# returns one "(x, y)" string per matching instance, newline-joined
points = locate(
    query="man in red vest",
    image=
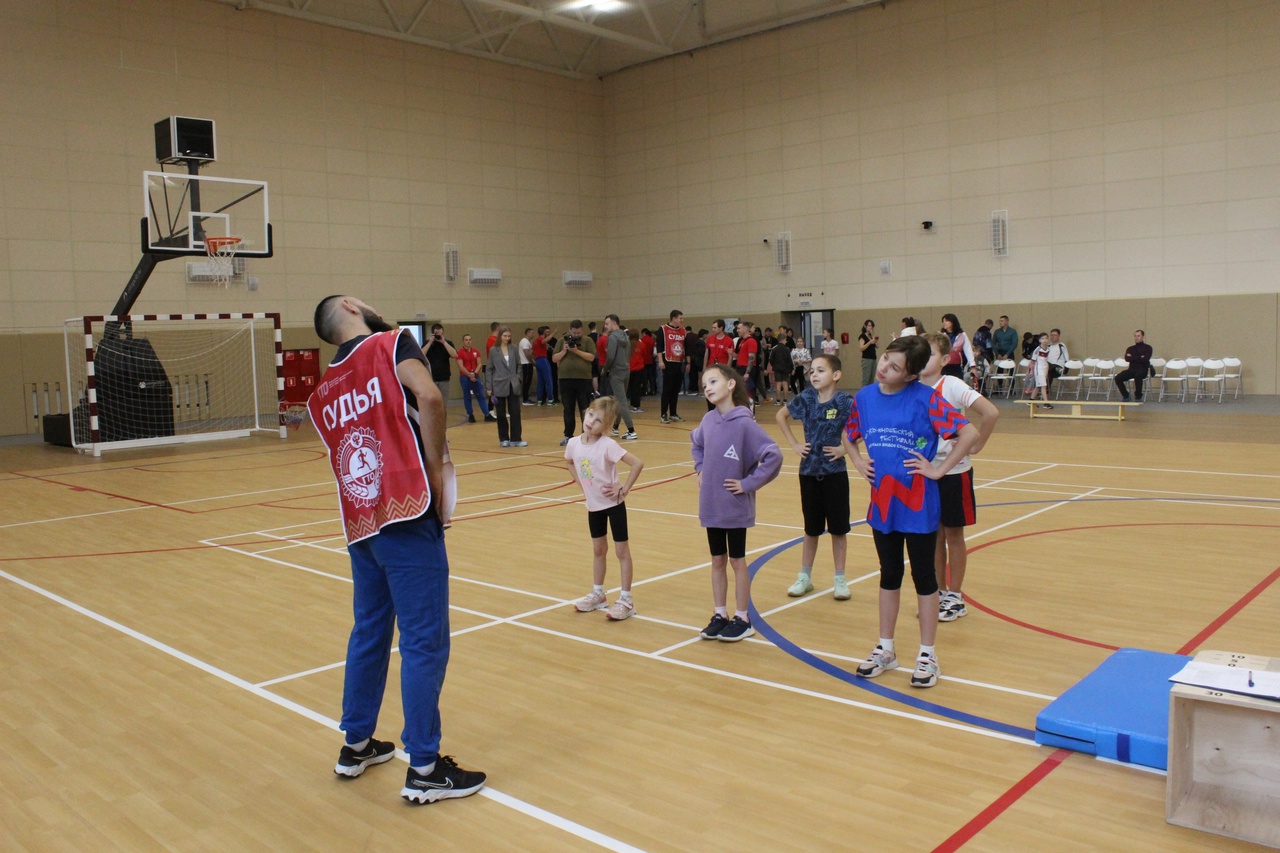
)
(391, 488)
(672, 361)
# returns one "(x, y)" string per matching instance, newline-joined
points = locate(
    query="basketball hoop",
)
(292, 415)
(222, 255)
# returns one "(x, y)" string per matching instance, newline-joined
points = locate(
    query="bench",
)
(1077, 409)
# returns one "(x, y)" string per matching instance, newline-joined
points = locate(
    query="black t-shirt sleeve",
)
(407, 348)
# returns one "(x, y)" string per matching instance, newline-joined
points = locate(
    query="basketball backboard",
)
(181, 210)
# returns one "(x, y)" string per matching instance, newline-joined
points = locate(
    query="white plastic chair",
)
(1157, 371)
(1233, 375)
(1175, 376)
(1101, 382)
(1213, 376)
(1195, 366)
(1072, 375)
(1002, 379)
(1028, 380)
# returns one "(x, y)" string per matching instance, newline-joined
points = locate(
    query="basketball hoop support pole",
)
(147, 263)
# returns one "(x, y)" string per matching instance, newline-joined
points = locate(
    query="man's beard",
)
(376, 323)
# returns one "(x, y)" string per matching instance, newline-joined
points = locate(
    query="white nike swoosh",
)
(422, 783)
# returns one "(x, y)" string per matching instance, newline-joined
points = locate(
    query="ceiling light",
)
(596, 5)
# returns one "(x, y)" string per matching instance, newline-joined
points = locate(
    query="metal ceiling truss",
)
(568, 37)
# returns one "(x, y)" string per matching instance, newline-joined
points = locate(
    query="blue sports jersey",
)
(823, 424)
(891, 426)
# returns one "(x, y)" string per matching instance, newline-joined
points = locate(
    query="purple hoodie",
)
(732, 447)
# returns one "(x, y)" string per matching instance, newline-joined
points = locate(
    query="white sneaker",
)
(591, 601)
(631, 436)
(879, 661)
(841, 592)
(620, 610)
(952, 607)
(802, 585)
(927, 671)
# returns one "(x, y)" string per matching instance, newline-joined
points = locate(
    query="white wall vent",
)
(999, 233)
(201, 272)
(450, 261)
(782, 251)
(483, 277)
(576, 278)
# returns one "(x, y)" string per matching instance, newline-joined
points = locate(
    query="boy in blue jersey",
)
(900, 421)
(824, 478)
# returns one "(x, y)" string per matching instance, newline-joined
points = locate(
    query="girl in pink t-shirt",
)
(593, 463)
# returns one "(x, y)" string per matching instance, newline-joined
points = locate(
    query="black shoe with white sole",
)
(446, 781)
(351, 763)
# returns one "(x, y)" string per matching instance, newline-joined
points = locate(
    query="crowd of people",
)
(907, 432)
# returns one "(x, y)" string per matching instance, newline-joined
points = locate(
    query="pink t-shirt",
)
(595, 465)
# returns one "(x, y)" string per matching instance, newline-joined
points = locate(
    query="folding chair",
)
(1175, 375)
(1233, 375)
(1213, 376)
(1002, 379)
(1101, 381)
(1195, 366)
(1072, 376)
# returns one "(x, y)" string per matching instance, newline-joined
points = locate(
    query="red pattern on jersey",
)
(673, 343)
(912, 497)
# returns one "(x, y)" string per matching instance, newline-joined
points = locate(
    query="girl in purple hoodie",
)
(734, 457)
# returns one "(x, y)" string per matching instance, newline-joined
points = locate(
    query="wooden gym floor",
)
(173, 624)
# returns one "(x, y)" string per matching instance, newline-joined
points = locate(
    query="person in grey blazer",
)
(503, 371)
(617, 366)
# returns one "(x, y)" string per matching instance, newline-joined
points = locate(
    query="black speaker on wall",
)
(179, 138)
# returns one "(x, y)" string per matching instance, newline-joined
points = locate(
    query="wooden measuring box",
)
(1224, 757)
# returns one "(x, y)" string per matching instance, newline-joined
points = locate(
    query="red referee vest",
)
(673, 343)
(363, 417)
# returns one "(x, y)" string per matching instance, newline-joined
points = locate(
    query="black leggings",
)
(920, 547)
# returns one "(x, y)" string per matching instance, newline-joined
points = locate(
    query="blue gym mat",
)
(1120, 710)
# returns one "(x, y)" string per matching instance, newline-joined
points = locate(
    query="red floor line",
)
(1061, 636)
(107, 494)
(980, 821)
(1212, 627)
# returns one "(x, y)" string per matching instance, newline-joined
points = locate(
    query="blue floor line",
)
(771, 634)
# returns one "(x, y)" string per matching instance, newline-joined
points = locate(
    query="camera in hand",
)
(571, 341)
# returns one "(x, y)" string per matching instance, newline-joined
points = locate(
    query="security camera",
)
(926, 225)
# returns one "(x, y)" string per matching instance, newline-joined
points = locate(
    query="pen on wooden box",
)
(1250, 678)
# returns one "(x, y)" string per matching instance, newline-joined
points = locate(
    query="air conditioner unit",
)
(782, 251)
(576, 278)
(1000, 233)
(483, 277)
(450, 261)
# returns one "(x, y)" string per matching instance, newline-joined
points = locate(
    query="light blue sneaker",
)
(802, 586)
(842, 589)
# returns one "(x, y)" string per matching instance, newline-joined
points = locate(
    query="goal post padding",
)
(148, 379)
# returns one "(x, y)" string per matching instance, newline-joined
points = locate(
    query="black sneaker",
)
(351, 763)
(717, 624)
(1047, 406)
(738, 629)
(447, 781)
(471, 419)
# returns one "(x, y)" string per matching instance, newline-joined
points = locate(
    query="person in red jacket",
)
(647, 344)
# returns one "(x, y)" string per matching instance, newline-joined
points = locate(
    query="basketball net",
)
(222, 255)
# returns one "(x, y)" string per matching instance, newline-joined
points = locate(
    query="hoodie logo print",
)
(731, 453)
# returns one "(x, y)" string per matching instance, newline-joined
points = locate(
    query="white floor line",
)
(945, 723)
(77, 517)
(540, 814)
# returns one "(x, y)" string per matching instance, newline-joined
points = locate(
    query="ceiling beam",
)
(656, 48)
